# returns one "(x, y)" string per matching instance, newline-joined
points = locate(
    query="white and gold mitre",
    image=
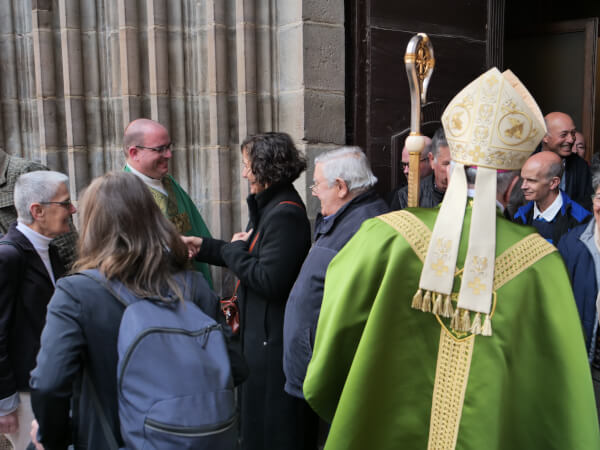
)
(493, 122)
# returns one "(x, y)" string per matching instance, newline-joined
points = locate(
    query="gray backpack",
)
(174, 378)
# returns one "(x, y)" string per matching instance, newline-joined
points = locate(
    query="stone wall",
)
(75, 72)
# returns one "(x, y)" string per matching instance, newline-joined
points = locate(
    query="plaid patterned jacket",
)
(11, 167)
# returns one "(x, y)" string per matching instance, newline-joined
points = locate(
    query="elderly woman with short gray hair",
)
(580, 248)
(29, 268)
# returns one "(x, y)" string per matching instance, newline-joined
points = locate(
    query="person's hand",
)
(241, 236)
(193, 244)
(33, 434)
(9, 423)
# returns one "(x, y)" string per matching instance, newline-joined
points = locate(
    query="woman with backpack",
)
(131, 267)
(266, 259)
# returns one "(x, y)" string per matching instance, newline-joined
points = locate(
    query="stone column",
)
(45, 83)
(129, 74)
(72, 79)
(312, 79)
(8, 82)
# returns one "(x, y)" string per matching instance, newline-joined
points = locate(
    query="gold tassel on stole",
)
(437, 305)
(426, 306)
(417, 300)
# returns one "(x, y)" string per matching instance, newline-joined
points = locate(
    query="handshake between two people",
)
(194, 243)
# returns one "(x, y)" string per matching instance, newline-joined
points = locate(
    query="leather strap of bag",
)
(111, 441)
(252, 244)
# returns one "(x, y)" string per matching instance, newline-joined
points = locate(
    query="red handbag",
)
(229, 306)
(231, 311)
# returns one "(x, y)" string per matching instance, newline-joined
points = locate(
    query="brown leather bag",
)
(229, 306)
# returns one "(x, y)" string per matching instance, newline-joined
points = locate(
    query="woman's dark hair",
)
(274, 159)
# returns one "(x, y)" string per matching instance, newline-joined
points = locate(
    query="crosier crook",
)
(419, 63)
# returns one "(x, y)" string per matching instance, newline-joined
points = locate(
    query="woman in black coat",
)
(266, 259)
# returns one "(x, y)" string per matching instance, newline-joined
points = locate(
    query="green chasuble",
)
(391, 377)
(181, 212)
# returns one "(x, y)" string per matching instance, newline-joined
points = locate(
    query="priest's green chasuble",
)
(181, 212)
(388, 376)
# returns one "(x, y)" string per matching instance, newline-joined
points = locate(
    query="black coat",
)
(25, 290)
(578, 181)
(269, 416)
(81, 334)
(429, 195)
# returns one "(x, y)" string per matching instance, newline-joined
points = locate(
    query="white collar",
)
(152, 182)
(40, 244)
(550, 212)
(39, 241)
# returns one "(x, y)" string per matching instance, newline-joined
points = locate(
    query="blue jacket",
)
(571, 214)
(583, 264)
(304, 303)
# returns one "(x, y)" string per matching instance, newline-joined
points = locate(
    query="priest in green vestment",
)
(452, 327)
(148, 151)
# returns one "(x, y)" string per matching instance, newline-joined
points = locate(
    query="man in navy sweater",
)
(550, 210)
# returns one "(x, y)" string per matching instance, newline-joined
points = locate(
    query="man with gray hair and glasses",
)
(343, 182)
(29, 268)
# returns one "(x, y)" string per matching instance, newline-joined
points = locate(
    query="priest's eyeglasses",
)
(65, 204)
(161, 150)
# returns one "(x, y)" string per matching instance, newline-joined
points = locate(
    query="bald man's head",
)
(560, 135)
(147, 147)
(541, 178)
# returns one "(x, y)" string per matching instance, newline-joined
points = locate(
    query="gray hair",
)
(349, 164)
(438, 140)
(503, 179)
(36, 187)
(596, 179)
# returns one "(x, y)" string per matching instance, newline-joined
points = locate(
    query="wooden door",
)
(378, 106)
(558, 63)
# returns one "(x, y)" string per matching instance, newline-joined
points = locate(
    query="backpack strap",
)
(108, 434)
(94, 274)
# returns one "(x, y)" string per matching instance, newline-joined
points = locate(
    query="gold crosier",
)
(419, 63)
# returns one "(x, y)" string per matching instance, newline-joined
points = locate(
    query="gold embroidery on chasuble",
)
(455, 349)
(168, 206)
(451, 377)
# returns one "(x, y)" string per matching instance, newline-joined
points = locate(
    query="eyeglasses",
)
(162, 149)
(596, 198)
(313, 188)
(67, 204)
(405, 164)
